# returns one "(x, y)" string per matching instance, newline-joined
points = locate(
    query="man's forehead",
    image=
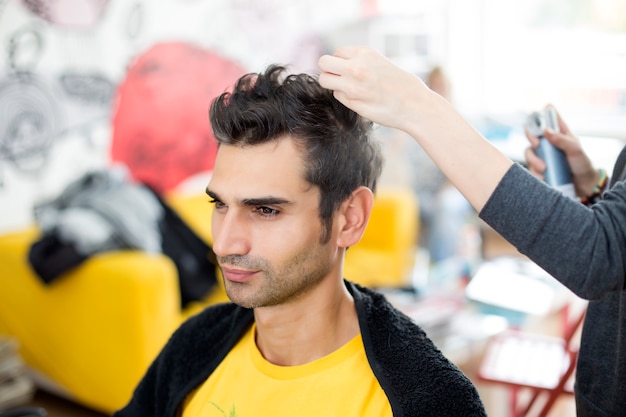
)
(267, 157)
(269, 169)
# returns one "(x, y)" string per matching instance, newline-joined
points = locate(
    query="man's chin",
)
(241, 300)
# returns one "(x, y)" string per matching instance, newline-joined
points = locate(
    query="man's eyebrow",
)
(265, 201)
(211, 194)
(257, 201)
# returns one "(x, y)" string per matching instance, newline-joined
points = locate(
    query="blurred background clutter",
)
(95, 86)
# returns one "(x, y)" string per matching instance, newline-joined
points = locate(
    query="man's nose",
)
(230, 233)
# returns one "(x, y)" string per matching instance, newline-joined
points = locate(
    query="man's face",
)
(266, 226)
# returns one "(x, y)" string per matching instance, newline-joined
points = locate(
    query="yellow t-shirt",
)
(247, 385)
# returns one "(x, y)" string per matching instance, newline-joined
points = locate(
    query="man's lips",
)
(237, 275)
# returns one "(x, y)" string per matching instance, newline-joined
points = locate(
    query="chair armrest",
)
(95, 329)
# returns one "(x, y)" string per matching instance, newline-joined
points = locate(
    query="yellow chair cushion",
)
(95, 329)
(386, 253)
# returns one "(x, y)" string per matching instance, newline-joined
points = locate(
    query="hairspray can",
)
(557, 173)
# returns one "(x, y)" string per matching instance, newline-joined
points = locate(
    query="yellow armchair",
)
(91, 334)
(385, 255)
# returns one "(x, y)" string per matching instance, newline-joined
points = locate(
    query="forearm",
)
(575, 244)
(469, 161)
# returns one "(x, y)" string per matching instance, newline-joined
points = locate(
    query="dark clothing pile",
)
(106, 211)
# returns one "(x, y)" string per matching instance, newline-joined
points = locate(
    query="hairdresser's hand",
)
(371, 85)
(584, 175)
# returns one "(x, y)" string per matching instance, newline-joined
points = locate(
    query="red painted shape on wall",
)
(161, 128)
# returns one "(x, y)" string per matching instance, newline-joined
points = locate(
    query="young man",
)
(293, 188)
(581, 245)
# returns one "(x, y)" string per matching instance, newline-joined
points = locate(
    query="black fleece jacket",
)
(417, 379)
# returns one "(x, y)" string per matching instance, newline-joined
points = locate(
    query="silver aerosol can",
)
(557, 174)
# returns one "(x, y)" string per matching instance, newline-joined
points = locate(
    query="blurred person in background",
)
(449, 214)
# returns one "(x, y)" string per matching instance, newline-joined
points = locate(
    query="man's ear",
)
(353, 216)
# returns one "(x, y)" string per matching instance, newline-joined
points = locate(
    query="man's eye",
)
(267, 211)
(216, 203)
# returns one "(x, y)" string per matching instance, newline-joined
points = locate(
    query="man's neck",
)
(311, 327)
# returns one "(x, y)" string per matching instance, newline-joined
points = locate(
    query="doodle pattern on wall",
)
(72, 99)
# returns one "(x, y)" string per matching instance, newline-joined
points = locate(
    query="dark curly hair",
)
(334, 141)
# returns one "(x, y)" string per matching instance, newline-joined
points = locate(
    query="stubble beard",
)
(271, 287)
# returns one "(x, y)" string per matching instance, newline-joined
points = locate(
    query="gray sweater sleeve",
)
(584, 248)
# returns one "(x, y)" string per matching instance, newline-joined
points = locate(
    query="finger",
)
(534, 140)
(533, 159)
(332, 64)
(347, 52)
(563, 128)
(330, 81)
(343, 98)
(535, 164)
(337, 62)
(562, 125)
(560, 140)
